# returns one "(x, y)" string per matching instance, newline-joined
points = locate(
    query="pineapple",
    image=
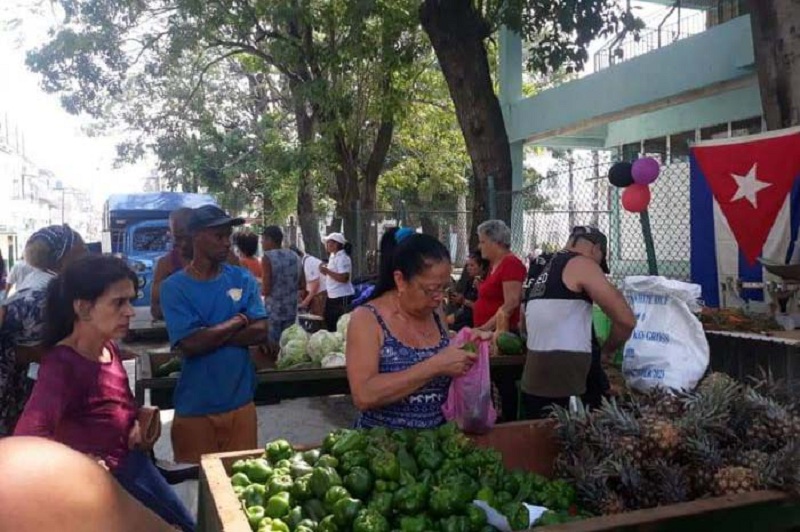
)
(753, 459)
(715, 381)
(669, 482)
(660, 437)
(732, 480)
(705, 459)
(617, 432)
(596, 495)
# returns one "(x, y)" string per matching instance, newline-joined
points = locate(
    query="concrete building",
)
(692, 77)
(32, 197)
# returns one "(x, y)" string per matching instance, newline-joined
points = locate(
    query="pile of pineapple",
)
(661, 448)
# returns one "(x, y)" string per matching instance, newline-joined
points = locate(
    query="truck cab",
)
(136, 229)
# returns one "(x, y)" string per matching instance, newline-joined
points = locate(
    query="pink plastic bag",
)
(469, 401)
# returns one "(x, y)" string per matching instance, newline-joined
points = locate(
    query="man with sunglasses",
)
(563, 356)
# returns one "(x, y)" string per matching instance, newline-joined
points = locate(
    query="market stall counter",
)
(529, 446)
(156, 375)
(743, 355)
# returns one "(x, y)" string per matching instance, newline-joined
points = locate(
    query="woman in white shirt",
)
(338, 283)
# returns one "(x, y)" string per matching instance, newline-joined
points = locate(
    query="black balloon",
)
(620, 174)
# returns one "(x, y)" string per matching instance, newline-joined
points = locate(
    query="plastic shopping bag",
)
(469, 401)
(668, 347)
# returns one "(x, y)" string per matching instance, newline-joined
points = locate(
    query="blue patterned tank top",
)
(423, 408)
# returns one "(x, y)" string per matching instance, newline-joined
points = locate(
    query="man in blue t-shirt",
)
(213, 312)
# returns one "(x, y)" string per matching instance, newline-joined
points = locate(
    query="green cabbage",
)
(322, 343)
(333, 360)
(293, 332)
(341, 325)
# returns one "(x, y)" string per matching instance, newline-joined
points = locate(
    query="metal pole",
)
(571, 191)
(650, 248)
(62, 205)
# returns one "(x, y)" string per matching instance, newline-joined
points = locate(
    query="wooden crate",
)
(531, 445)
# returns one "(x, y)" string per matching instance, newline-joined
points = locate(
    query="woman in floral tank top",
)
(399, 361)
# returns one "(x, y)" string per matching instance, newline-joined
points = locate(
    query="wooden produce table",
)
(275, 385)
(531, 445)
(742, 355)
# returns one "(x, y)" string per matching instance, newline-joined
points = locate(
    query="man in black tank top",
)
(564, 358)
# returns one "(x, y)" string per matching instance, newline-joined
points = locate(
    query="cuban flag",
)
(744, 195)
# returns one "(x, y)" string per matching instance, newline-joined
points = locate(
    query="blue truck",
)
(136, 228)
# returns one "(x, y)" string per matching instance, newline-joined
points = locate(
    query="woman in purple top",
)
(82, 398)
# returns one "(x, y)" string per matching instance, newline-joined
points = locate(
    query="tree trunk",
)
(457, 33)
(306, 215)
(776, 43)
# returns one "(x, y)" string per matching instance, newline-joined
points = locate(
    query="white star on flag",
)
(749, 186)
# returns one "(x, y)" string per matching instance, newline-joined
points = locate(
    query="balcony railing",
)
(649, 39)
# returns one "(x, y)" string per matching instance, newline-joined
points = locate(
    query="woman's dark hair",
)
(411, 256)
(247, 242)
(483, 264)
(274, 234)
(86, 279)
(347, 247)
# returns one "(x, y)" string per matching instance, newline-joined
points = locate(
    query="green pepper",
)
(476, 518)
(300, 469)
(327, 460)
(378, 432)
(455, 523)
(308, 523)
(369, 521)
(254, 515)
(272, 525)
(407, 462)
(511, 485)
(303, 528)
(328, 525)
(386, 486)
(557, 495)
(518, 517)
(278, 505)
(333, 495)
(466, 489)
(382, 503)
(486, 494)
(293, 518)
(301, 489)
(430, 459)
(284, 464)
(359, 481)
(311, 456)
(443, 501)
(323, 479)
(279, 483)
(502, 498)
(354, 459)
(331, 439)
(277, 450)
(411, 499)
(240, 479)
(385, 467)
(314, 509)
(351, 440)
(447, 430)
(257, 470)
(238, 466)
(254, 495)
(416, 523)
(345, 511)
(404, 437)
(239, 490)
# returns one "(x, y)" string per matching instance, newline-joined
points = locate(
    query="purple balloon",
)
(645, 170)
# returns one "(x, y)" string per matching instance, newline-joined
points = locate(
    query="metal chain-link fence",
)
(576, 192)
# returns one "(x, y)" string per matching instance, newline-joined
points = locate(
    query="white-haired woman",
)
(502, 287)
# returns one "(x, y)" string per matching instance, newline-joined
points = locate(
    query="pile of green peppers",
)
(379, 480)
